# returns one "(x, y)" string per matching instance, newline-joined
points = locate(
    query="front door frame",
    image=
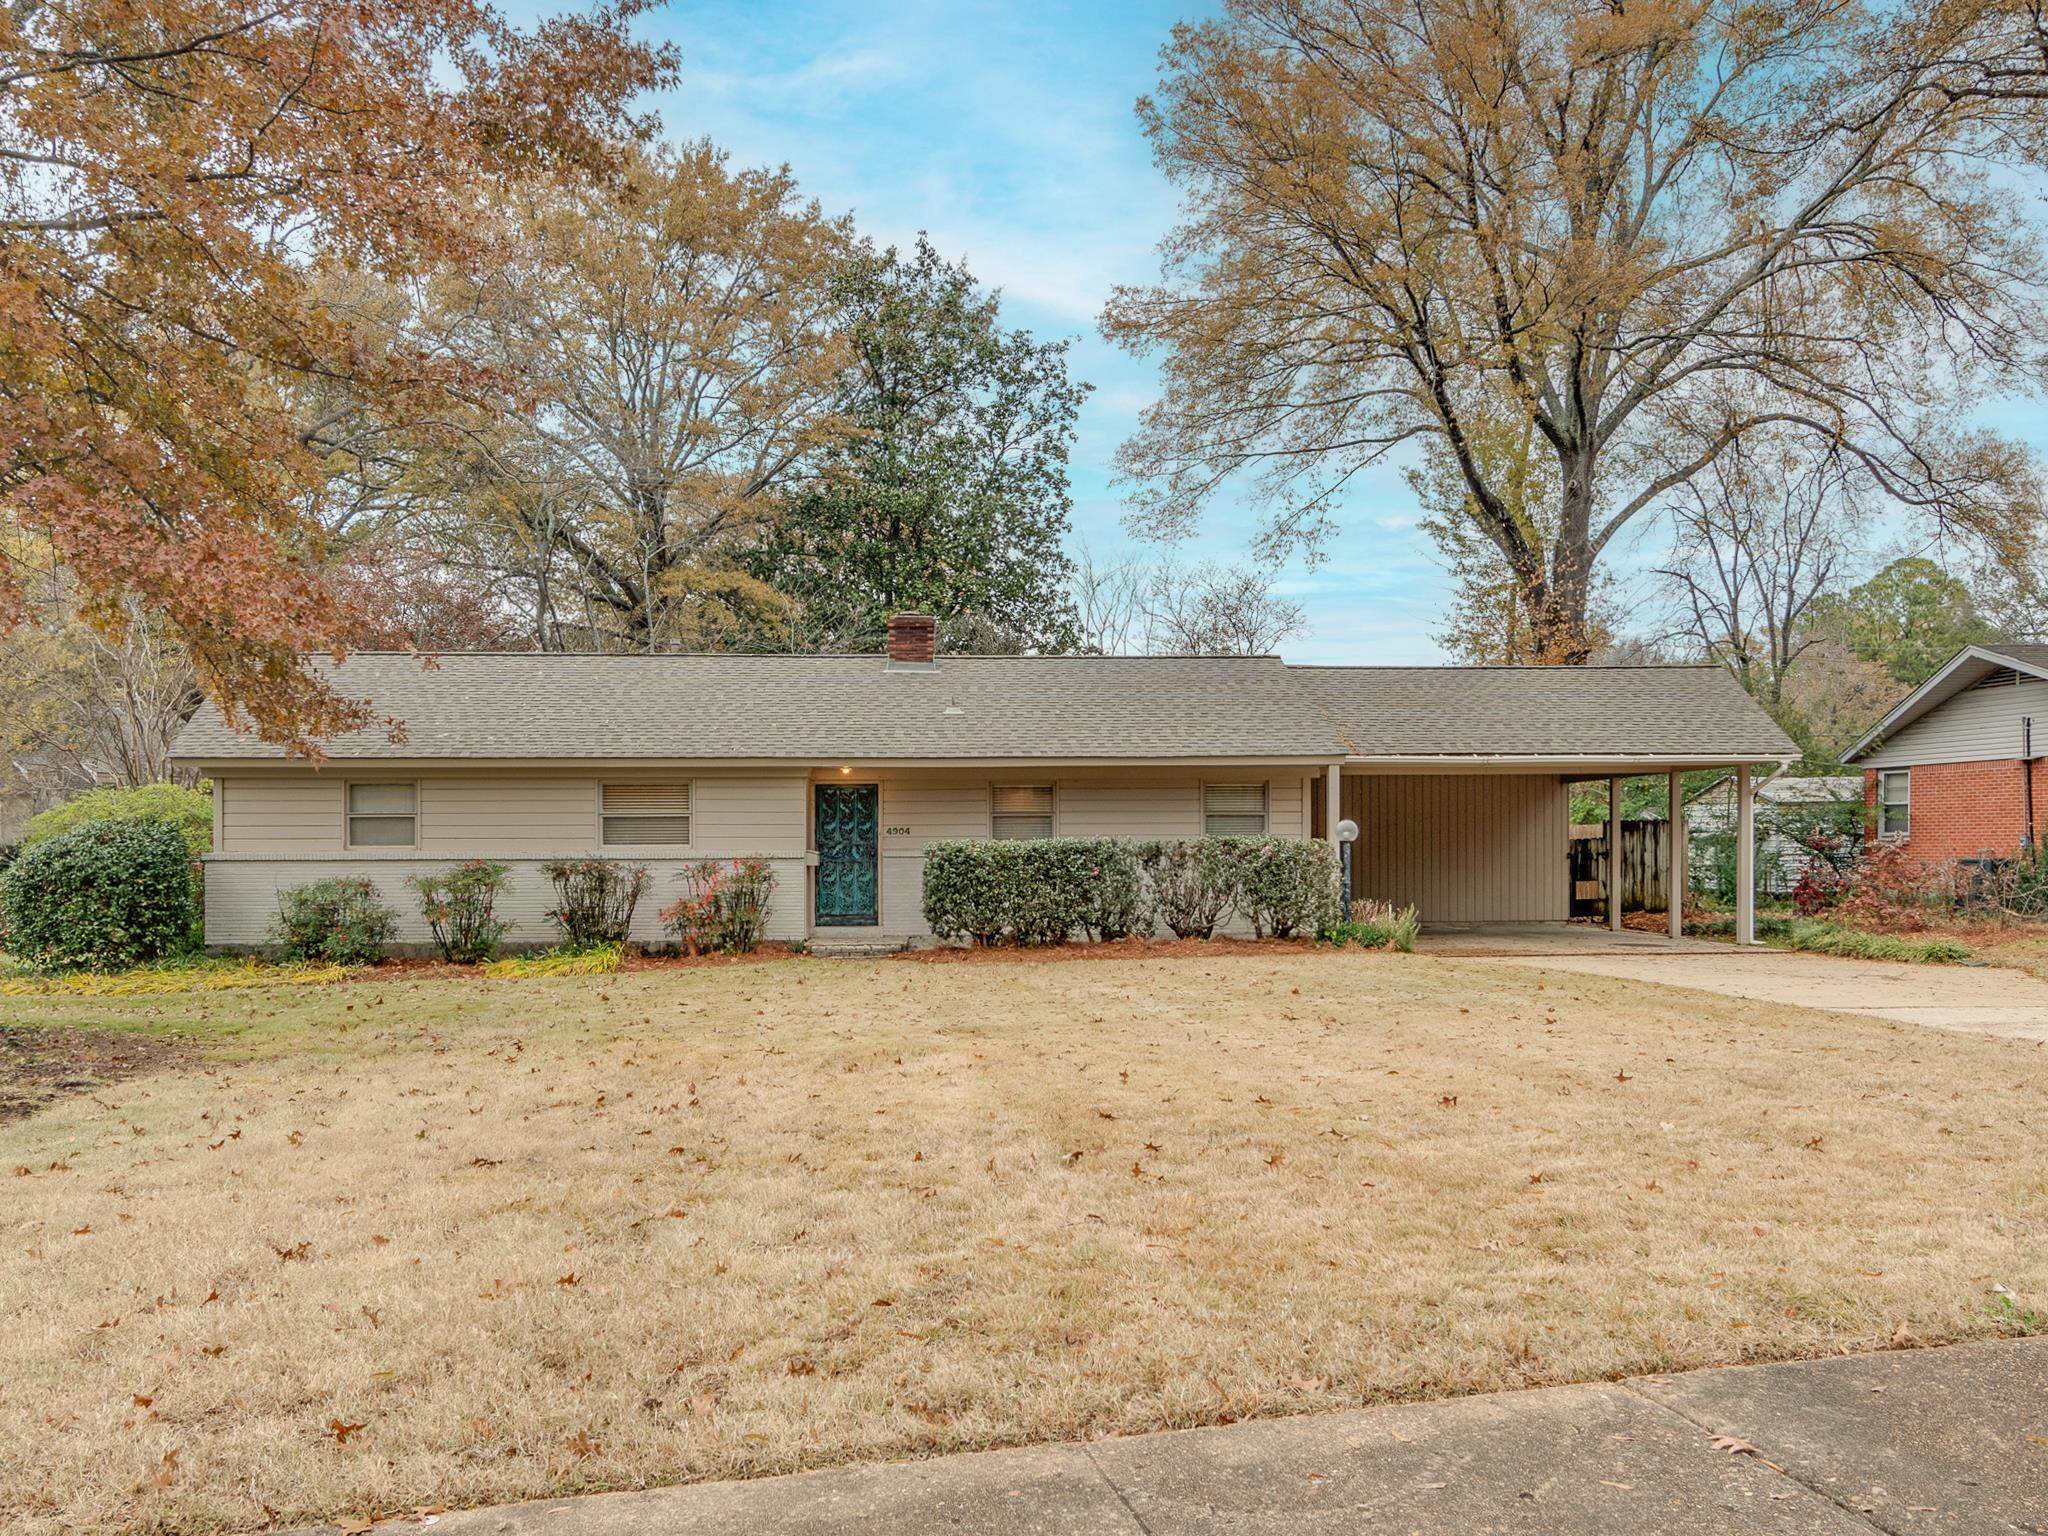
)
(819, 919)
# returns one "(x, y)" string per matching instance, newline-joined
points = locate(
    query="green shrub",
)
(595, 900)
(724, 906)
(1282, 886)
(1028, 891)
(966, 891)
(1191, 883)
(190, 811)
(459, 905)
(1375, 925)
(1034, 891)
(1121, 902)
(106, 895)
(341, 920)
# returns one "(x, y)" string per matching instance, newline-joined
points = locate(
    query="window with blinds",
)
(635, 815)
(1234, 810)
(383, 816)
(1895, 803)
(1021, 810)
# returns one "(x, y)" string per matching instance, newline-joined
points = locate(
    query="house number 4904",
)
(896, 831)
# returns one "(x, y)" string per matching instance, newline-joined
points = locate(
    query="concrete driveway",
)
(1977, 999)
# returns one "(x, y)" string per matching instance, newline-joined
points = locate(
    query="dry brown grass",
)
(610, 1231)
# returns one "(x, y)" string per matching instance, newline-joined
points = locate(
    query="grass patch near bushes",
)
(1814, 936)
(732, 1220)
(170, 977)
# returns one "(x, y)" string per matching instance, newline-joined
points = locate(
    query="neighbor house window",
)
(383, 815)
(1234, 810)
(635, 814)
(1895, 803)
(1021, 810)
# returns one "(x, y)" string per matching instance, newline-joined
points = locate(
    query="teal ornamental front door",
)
(847, 824)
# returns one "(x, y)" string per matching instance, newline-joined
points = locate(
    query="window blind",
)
(636, 815)
(1021, 810)
(1234, 810)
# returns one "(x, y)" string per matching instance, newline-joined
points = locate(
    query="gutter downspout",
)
(2027, 778)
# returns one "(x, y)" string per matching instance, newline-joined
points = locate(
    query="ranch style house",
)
(839, 770)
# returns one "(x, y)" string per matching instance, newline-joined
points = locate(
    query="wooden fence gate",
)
(1645, 861)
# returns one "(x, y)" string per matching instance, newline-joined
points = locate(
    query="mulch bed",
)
(41, 1065)
(1116, 949)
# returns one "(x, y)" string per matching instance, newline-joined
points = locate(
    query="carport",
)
(1459, 780)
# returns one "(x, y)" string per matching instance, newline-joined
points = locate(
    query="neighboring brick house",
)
(1956, 770)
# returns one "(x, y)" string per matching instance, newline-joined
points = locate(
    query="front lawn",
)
(398, 1243)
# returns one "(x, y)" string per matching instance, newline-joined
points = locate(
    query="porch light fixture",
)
(846, 770)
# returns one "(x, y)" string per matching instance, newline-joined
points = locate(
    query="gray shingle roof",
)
(2026, 653)
(814, 708)
(1593, 712)
(826, 708)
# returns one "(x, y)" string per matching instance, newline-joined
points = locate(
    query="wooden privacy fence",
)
(1645, 861)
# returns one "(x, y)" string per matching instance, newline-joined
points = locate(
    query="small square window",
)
(639, 815)
(1234, 810)
(1021, 810)
(1895, 803)
(383, 816)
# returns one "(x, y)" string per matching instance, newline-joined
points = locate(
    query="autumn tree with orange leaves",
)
(175, 177)
(1641, 231)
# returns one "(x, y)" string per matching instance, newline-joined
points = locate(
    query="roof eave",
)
(1914, 705)
(1589, 762)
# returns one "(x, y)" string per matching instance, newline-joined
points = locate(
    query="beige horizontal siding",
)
(1462, 848)
(1976, 726)
(241, 897)
(507, 814)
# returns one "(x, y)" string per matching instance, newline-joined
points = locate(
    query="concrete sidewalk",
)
(1944, 1440)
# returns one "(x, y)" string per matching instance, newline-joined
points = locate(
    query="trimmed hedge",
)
(1283, 886)
(1190, 883)
(340, 920)
(104, 896)
(1043, 891)
(1035, 891)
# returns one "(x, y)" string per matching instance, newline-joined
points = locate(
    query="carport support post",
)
(1745, 858)
(1674, 875)
(1614, 854)
(1333, 802)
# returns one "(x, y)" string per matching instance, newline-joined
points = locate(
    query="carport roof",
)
(1600, 714)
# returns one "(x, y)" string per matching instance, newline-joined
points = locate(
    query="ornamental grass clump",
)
(459, 906)
(1375, 925)
(595, 900)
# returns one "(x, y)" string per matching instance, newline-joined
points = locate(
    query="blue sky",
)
(1007, 132)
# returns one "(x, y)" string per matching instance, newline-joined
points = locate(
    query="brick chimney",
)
(913, 639)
